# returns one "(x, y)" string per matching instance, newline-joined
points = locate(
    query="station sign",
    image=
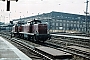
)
(9, 0)
(8, 3)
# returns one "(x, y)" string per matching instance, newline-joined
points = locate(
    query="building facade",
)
(66, 22)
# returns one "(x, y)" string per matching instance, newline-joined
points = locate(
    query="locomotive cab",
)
(15, 30)
(40, 30)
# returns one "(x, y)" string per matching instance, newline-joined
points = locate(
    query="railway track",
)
(65, 47)
(81, 42)
(81, 34)
(27, 49)
(75, 34)
(74, 42)
(76, 53)
(23, 46)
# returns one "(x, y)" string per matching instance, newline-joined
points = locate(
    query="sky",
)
(25, 8)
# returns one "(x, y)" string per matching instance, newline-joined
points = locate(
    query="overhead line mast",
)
(86, 20)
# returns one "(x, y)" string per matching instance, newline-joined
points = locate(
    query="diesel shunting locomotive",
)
(35, 30)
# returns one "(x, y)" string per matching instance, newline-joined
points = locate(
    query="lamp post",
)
(38, 16)
(20, 15)
(2, 16)
(9, 16)
(9, 20)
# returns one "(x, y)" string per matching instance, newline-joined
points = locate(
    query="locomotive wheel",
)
(35, 38)
(30, 37)
(22, 36)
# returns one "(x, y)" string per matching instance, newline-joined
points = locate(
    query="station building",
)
(66, 22)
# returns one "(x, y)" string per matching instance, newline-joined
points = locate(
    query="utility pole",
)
(86, 20)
